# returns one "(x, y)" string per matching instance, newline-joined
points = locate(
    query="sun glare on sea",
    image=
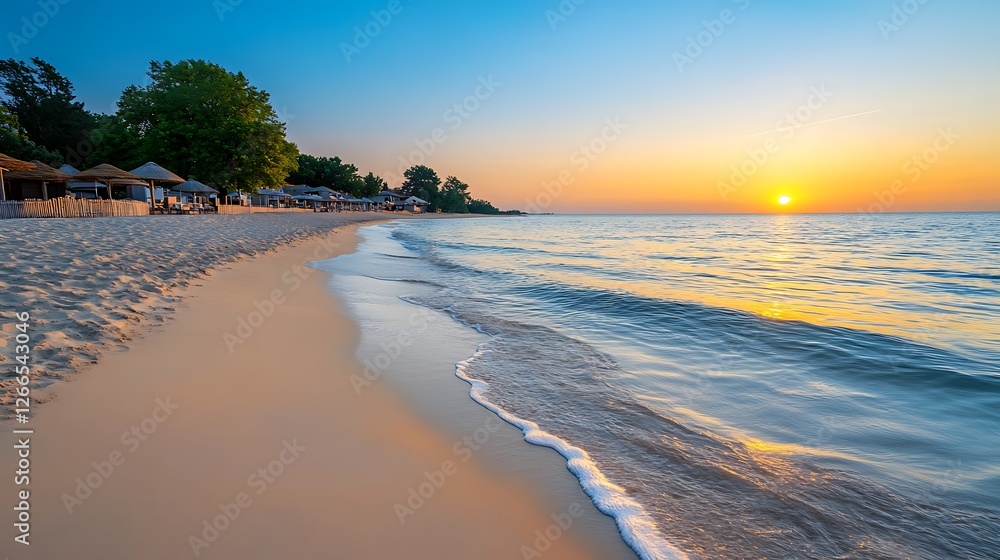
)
(784, 200)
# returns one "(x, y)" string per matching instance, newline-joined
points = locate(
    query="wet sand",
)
(179, 448)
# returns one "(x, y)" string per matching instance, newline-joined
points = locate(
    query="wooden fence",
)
(237, 209)
(72, 208)
(256, 209)
(233, 209)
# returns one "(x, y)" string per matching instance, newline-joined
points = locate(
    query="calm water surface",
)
(739, 386)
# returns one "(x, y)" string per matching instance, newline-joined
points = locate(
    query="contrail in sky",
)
(817, 122)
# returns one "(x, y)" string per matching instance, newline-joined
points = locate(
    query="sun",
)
(784, 199)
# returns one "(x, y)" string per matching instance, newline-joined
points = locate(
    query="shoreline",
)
(420, 353)
(156, 442)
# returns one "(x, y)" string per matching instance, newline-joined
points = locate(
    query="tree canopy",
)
(422, 182)
(202, 122)
(452, 197)
(15, 143)
(478, 206)
(45, 106)
(326, 172)
(374, 184)
(198, 120)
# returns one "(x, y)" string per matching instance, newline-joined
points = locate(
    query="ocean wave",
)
(636, 526)
(738, 435)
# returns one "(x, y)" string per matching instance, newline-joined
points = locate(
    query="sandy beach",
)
(177, 447)
(500, 280)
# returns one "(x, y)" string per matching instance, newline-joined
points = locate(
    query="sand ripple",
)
(93, 284)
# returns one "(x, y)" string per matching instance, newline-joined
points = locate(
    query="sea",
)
(751, 386)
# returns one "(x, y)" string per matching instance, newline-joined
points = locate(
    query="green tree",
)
(206, 123)
(116, 142)
(328, 172)
(14, 142)
(43, 101)
(308, 171)
(477, 206)
(373, 185)
(454, 196)
(422, 182)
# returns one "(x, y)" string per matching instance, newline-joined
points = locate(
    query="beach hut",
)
(69, 169)
(415, 204)
(34, 183)
(298, 190)
(308, 200)
(8, 163)
(152, 172)
(238, 198)
(389, 199)
(271, 198)
(194, 188)
(103, 176)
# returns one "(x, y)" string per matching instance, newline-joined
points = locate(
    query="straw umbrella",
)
(153, 173)
(42, 173)
(193, 187)
(8, 163)
(107, 174)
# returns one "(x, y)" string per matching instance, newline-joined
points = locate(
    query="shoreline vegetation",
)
(200, 121)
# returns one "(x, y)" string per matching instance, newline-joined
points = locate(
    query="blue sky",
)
(558, 84)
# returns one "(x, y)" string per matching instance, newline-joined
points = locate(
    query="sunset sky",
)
(616, 98)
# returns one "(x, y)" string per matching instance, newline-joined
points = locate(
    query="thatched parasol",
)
(193, 187)
(8, 163)
(41, 172)
(153, 173)
(105, 173)
(150, 171)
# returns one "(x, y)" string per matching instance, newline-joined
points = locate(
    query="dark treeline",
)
(194, 118)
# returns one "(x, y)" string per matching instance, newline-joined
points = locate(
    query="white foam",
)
(635, 525)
